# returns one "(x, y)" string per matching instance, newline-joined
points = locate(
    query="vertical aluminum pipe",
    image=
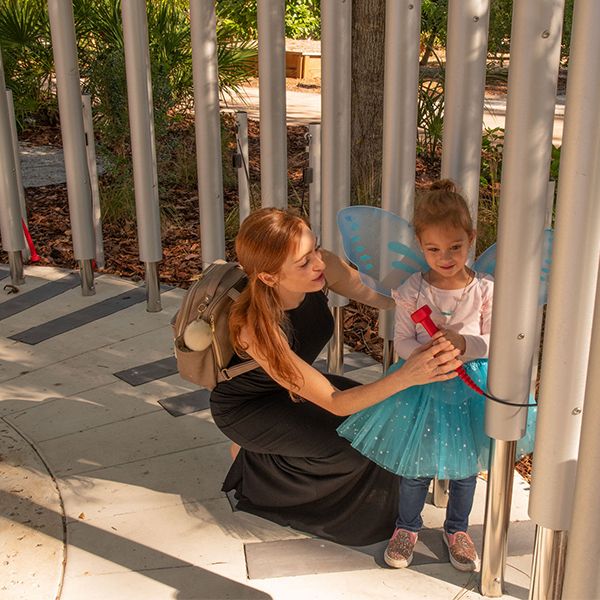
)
(336, 76)
(535, 53)
(582, 576)
(243, 166)
(141, 124)
(90, 147)
(64, 48)
(464, 89)
(10, 208)
(16, 153)
(271, 74)
(573, 280)
(314, 187)
(400, 92)
(208, 129)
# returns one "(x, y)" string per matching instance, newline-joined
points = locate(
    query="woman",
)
(293, 468)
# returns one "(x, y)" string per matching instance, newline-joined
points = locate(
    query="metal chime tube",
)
(64, 48)
(336, 43)
(535, 53)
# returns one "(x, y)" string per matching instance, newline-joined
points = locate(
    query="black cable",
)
(493, 398)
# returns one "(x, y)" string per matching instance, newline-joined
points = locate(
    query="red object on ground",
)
(421, 315)
(35, 257)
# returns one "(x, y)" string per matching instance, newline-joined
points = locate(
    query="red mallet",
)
(422, 316)
(35, 257)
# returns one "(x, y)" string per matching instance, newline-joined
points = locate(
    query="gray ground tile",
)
(4, 272)
(48, 330)
(313, 556)
(185, 404)
(38, 295)
(149, 371)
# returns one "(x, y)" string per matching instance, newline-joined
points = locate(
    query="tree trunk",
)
(368, 25)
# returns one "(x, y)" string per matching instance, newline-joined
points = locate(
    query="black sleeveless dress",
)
(293, 468)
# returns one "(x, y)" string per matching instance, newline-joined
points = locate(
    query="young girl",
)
(435, 430)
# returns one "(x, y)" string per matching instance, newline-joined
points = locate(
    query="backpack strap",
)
(231, 372)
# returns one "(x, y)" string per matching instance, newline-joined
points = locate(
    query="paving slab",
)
(32, 541)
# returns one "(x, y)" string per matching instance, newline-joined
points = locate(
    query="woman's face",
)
(302, 270)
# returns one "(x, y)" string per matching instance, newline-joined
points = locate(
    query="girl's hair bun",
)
(446, 185)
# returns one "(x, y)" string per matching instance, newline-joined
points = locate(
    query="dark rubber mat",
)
(86, 315)
(187, 403)
(34, 297)
(149, 371)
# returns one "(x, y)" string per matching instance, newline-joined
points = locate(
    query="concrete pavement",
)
(111, 469)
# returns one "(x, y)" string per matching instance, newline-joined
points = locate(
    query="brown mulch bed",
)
(49, 225)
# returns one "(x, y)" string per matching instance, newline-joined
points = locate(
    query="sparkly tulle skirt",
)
(434, 430)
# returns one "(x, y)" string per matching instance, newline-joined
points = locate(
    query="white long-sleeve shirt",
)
(470, 315)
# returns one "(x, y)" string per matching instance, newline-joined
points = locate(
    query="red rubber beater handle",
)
(422, 316)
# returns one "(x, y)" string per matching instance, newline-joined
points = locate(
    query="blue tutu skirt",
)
(434, 430)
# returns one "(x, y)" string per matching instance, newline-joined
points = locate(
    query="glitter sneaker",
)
(461, 548)
(399, 551)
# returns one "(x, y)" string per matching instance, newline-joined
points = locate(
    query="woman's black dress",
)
(293, 468)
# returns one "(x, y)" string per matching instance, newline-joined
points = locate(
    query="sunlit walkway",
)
(111, 470)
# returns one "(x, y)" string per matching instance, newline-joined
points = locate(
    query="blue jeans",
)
(412, 500)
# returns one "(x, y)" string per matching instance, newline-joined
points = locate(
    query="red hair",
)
(265, 240)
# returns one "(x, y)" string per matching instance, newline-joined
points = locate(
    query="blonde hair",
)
(442, 205)
(265, 239)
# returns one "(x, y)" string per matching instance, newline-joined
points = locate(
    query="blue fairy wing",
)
(546, 263)
(381, 244)
(486, 263)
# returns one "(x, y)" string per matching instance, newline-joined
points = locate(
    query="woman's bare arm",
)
(344, 280)
(435, 362)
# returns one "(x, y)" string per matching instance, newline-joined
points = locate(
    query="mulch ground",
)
(49, 225)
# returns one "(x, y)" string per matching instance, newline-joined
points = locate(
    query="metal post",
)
(273, 131)
(389, 356)
(208, 129)
(26, 254)
(464, 88)
(549, 552)
(335, 350)
(401, 84)
(569, 316)
(141, 124)
(243, 166)
(336, 43)
(10, 209)
(497, 516)
(535, 53)
(314, 187)
(64, 48)
(15, 266)
(90, 147)
(582, 576)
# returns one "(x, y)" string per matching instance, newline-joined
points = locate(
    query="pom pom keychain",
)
(198, 335)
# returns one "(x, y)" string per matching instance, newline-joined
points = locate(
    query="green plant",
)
(27, 58)
(430, 117)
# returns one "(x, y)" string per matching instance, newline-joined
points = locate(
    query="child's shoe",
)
(399, 551)
(461, 548)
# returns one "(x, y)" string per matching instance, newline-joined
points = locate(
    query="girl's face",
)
(302, 270)
(446, 250)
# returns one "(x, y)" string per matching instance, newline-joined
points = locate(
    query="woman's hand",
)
(431, 362)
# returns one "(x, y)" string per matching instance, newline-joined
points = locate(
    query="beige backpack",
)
(203, 348)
